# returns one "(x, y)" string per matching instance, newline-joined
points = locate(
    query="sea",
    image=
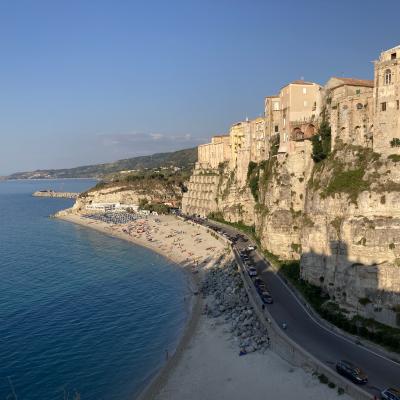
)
(82, 315)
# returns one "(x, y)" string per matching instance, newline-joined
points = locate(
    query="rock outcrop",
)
(339, 217)
(154, 191)
(351, 244)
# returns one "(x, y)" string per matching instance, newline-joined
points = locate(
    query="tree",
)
(321, 143)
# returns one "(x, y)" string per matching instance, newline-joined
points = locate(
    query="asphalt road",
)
(322, 343)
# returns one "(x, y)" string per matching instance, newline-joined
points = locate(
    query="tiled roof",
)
(354, 82)
(300, 82)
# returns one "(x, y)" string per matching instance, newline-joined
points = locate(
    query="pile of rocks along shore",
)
(227, 299)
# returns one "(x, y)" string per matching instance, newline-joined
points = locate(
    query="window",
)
(304, 90)
(359, 106)
(388, 77)
(393, 56)
(397, 104)
(383, 106)
(358, 91)
(284, 121)
(277, 127)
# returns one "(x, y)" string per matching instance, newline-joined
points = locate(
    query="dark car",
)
(266, 298)
(390, 394)
(252, 271)
(258, 281)
(351, 372)
(262, 287)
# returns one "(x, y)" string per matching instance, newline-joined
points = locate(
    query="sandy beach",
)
(206, 364)
(181, 242)
(210, 368)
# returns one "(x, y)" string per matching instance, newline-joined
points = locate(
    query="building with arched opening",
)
(386, 102)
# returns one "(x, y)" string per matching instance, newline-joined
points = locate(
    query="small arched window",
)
(388, 77)
(359, 106)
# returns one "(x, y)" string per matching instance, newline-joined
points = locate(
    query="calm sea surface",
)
(79, 311)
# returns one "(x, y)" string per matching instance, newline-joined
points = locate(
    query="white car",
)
(250, 248)
(252, 271)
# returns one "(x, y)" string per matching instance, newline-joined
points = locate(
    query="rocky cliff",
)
(340, 217)
(351, 244)
(155, 190)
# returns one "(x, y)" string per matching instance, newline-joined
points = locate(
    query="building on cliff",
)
(300, 103)
(386, 98)
(214, 153)
(349, 105)
(272, 112)
(341, 217)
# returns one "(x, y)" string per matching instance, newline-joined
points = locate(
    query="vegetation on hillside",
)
(168, 180)
(321, 143)
(348, 169)
(159, 208)
(184, 159)
(259, 175)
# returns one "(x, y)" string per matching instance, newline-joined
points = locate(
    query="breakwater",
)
(53, 193)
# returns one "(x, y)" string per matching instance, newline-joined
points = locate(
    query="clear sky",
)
(87, 81)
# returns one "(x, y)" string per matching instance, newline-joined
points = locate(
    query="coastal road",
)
(324, 344)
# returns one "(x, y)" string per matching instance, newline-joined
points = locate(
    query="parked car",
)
(390, 394)
(261, 288)
(251, 248)
(258, 281)
(351, 372)
(252, 271)
(266, 298)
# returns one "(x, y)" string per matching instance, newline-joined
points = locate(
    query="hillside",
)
(182, 158)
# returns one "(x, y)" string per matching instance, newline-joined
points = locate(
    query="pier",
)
(52, 193)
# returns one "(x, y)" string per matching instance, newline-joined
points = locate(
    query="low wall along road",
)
(280, 342)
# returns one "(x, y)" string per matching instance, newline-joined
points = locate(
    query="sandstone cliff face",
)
(130, 194)
(219, 191)
(280, 213)
(340, 217)
(351, 244)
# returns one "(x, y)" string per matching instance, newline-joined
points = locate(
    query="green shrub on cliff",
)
(253, 176)
(321, 143)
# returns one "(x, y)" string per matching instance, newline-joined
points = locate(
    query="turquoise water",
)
(79, 311)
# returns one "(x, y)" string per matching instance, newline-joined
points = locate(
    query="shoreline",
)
(194, 311)
(205, 362)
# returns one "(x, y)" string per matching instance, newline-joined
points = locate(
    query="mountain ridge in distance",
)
(181, 158)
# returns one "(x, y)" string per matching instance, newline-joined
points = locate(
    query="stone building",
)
(386, 102)
(349, 105)
(272, 112)
(212, 154)
(300, 110)
(258, 140)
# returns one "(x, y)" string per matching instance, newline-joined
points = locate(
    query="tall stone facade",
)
(387, 97)
(349, 105)
(214, 153)
(300, 103)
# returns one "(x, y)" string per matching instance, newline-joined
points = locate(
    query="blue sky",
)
(95, 81)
